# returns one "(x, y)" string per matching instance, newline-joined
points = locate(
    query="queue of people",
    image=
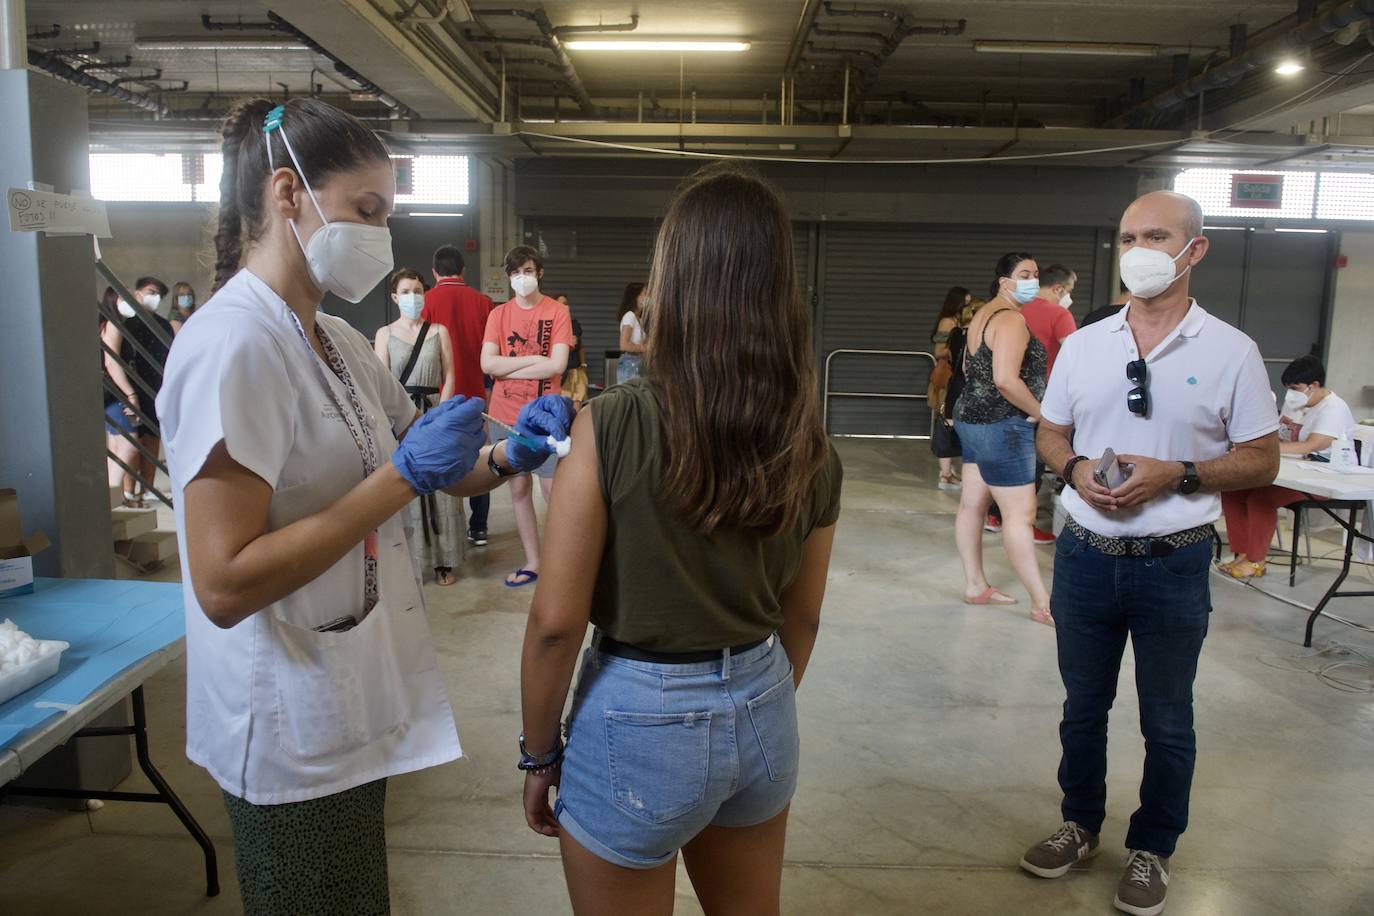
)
(691, 533)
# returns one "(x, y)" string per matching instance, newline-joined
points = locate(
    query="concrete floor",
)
(929, 756)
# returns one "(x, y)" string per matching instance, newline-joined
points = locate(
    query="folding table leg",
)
(165, 790)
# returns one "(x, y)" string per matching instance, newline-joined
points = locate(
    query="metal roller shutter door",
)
(881, 287)
(590, 260)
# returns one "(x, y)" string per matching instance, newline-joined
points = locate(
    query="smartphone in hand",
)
(1108, 472)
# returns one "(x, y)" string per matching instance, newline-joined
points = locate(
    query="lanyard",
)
(361, 433)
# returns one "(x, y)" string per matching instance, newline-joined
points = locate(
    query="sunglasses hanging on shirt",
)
(1138, 398)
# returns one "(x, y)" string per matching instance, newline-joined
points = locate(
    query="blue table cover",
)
(111, 626)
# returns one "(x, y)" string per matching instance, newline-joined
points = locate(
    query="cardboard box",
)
(16, 551)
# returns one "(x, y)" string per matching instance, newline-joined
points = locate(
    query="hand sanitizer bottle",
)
(1343, 452)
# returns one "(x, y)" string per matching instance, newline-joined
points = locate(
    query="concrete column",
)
(52, 437)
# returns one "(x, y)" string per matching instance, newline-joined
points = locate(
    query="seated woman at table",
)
(1313, 417)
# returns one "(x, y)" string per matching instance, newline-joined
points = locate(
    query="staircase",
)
(137, 537)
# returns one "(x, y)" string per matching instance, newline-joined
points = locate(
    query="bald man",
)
(1183, 400)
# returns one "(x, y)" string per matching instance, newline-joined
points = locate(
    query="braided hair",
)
(325, 139)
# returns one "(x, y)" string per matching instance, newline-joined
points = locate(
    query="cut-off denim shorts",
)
(1004, 451)
(658, 752)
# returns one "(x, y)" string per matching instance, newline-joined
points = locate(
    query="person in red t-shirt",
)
(463, 310)
(1047, 315)
(525, 350)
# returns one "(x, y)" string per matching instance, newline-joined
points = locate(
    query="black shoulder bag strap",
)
(414, 355)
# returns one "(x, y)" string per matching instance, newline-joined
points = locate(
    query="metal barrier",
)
(827, 394)
(112, 315)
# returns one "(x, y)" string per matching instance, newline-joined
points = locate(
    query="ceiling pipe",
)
(1234, 69)
(554, 44)
(458, 10)
(98, 65)
(276, 23)
(55, 31)
(810, 10)
(630, 26)
(856, 34)
(50, 63)
(901, 31)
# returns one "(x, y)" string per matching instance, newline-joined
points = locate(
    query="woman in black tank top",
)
(995, 416)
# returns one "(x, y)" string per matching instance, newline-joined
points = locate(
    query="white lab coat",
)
(276, 711)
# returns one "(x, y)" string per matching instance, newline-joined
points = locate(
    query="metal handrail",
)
(827, 394)
(112, 315)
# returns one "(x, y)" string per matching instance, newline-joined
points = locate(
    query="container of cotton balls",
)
(25, 661)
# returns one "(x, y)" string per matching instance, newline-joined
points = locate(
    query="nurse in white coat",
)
(311, 676)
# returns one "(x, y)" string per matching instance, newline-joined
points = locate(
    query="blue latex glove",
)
(442, 446)
(551, 415)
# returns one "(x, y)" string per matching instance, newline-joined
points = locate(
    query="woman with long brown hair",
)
(692, 525)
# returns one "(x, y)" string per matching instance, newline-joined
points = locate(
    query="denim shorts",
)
(1004, 450)
(656, 753)
(496, 434)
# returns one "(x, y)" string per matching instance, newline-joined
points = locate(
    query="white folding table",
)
(1320, 479)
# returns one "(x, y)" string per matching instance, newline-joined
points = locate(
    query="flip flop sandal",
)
(529, 577)
(1042, 615)
(991, 596)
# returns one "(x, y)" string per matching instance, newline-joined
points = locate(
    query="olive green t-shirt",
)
(663, 586)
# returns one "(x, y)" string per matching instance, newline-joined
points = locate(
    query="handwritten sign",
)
(44, 211)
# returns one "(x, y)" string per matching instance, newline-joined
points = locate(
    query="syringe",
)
(561, 447)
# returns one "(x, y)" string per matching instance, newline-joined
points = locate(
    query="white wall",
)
(172, 242)
(1350, 357)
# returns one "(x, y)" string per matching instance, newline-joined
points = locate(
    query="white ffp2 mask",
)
(125, 308)
(1294, 400)
(524, 284)
(1147, 272)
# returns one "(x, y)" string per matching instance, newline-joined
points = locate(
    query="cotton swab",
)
(561, 447)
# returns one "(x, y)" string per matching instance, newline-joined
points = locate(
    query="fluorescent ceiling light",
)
(430, 213)
(1289, 67)
(582, 44)
(215, 44)
(1320, 231)
(1089, 48)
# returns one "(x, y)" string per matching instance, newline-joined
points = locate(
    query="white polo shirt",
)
(1208, 389)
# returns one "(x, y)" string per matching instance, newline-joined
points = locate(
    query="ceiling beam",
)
(411, 70)
(810, 9)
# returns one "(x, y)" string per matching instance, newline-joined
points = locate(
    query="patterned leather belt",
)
(1160, 546)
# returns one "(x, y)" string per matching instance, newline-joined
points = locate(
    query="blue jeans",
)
(1004, 450)
(1163, 604)
(658, 752)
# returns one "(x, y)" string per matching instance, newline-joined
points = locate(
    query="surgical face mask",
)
(346, 259)
(1147, 272)
(1026, 290)
(1066, 300)
(410, 304)
(1295, 400)
(185, 301)
(524, 284)
(151, 301)
(125, 309)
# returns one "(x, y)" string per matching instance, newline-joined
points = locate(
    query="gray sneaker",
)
(1052, 858)
(1142, 888)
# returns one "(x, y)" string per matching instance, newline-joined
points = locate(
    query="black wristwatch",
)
(1190, 482)
(496, 468)
(1068, 469)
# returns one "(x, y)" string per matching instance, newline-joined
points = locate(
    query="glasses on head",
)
(1138, 398)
